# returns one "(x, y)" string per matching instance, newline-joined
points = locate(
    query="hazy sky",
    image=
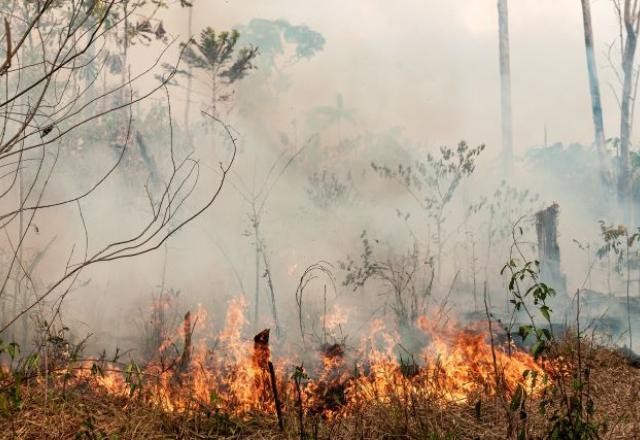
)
(431, 66)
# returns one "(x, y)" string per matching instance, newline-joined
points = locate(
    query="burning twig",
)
(500, 388)
(276, 399)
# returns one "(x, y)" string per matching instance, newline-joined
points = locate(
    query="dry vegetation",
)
(80, 407)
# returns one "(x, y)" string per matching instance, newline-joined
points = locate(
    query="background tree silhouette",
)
(330, 116)
(213, 53)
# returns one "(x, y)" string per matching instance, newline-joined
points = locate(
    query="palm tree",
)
(327, 116)
(214, 54)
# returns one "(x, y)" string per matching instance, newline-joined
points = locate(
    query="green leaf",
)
(538, 348)
(576, 384)
(4, 404)
(524, 331)
(32, 362)
(545, 312)
(516, 399)
(13, 350)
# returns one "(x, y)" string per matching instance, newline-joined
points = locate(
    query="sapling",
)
(433, 183)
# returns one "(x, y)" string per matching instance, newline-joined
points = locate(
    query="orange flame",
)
(229, 372)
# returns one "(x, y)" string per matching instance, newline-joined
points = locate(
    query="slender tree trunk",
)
(18, 294)
(629, 298)
(505, 87)
(594, 85)
(125, 49)
(214, 97)
(187, 108)
(624, 174)
(185, 359)
(274, 309)
(20, 273)
(473, 266)
(439, 221)
(256, 233)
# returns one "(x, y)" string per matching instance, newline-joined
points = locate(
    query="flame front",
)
(230, 371)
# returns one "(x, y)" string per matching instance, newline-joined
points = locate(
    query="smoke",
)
(405, 80)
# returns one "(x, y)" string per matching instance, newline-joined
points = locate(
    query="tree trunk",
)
(214, 96)
(125, 51)
(185, 359)
(256, 313)
(260, 362)
(549, 249)
(629, 298)
(624, 174)
(505, 86)
(594, 86)
(187, 108)
(274, 309)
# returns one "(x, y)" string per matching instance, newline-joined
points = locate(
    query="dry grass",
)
(615, 387)
(84, 413)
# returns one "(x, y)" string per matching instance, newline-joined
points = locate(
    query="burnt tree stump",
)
(548, 248)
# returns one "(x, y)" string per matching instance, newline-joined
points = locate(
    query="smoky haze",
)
(432, 66)
(412, 76)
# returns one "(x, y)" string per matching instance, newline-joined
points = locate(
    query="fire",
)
(236, 374)
(467, 363)
(457, 366)
(335, 318)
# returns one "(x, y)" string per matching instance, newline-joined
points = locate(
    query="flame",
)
(335, 318)
(230, 372)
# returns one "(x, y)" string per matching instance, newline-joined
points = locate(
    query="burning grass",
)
(460, 385)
